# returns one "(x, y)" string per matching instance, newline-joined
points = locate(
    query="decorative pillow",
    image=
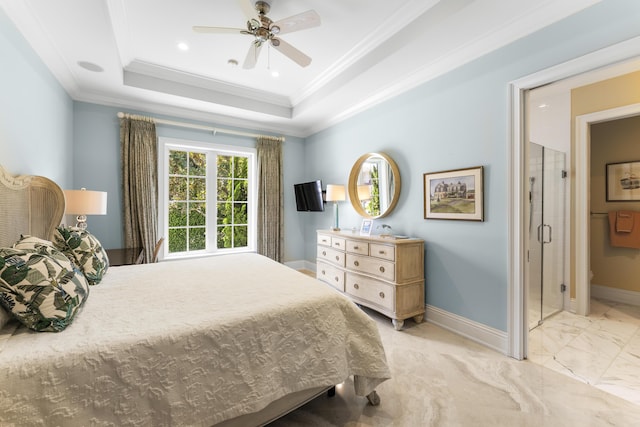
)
(43, 247)
(4, 316)
(85, 249)
(42, 292)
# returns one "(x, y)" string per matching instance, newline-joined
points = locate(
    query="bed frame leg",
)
(373, 398)
(331, 392)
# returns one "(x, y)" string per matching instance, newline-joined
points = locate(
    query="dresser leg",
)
(419, 318)
(397, 324)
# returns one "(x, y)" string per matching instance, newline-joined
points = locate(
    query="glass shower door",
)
(546, 232)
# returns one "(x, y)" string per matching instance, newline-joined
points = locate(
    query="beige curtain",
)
(140, 183)
(270, 199)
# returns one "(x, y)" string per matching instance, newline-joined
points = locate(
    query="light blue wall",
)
(459, 120)
(36, 114)
(97, 167)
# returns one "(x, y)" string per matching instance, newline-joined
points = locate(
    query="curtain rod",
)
(198, 127)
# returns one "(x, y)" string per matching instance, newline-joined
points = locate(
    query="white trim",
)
(301, 264)
(616, 295)
(516, 321)
(583, 192)
(482, 334)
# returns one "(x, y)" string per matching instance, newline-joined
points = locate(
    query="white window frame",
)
(165, 145)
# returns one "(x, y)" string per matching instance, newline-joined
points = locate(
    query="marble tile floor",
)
(443, 379)
(602, 350)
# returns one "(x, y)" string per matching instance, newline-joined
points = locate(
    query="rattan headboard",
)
(29, 204)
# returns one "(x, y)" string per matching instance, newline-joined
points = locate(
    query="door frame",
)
(583, 192)
(517, 329)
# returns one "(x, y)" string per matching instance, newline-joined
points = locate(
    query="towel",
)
(624, 221)
(624, 239)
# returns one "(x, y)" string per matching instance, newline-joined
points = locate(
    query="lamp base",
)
(82, 222)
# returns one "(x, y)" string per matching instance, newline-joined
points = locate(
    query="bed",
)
(229, 340)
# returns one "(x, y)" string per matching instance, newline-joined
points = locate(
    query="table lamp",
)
(84, 202)
(335, 194)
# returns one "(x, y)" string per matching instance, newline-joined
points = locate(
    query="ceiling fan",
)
(263, 29)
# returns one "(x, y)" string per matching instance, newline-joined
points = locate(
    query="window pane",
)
(197, 164)
(240, 169)
(177, 240)
(224, 189)
(224, 237)
(239, 213)
(177, 214)
(197, 238)
(198, 214)
(177, 162)
(197, 189)
(240, 236)
(224, 166)
(224, 213)
(177, 188)
(240, 190)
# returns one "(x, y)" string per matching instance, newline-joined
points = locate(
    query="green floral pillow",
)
(44, 247)
(87, 252)
(42, 292)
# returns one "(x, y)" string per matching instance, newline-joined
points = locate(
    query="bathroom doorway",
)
(547, 175)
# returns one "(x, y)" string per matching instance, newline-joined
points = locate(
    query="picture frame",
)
(623, 181)
(454, 194)
(366, 227)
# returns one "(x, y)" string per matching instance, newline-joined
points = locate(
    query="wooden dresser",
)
(385, 274)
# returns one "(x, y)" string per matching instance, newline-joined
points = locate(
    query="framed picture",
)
(454, 194)
(365, 228)
(623, 181)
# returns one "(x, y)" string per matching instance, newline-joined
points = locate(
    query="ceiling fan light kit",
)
(263, 29)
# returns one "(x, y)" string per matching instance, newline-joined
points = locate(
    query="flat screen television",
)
(309, 196)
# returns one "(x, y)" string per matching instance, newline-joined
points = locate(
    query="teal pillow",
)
(87, 252)
(43, 292)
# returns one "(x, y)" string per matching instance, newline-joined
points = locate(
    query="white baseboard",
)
(482, 334)
(616, 295)
(301, 265)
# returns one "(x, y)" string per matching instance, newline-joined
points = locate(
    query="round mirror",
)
(374, 185)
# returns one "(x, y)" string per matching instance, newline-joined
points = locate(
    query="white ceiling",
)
(364, 51)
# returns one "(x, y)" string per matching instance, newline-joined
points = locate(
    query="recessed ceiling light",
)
(90, 66)
(183, 46)
(275, 73)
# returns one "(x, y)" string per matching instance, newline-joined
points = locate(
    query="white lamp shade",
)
(85, 202)
(335, 193)
(364, 192)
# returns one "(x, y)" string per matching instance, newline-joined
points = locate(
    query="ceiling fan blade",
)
(252, 55)
(218, 30)
(291, 52)
(249, 9)
(301, 21)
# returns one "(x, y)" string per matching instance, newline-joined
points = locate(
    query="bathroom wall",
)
(612, 142)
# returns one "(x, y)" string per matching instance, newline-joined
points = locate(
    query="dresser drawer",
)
(357, 247)
(331, 255)
(324, 240)
(370, 290)
(331, 275)
(337, 243)
(373, 266)
(383, 251)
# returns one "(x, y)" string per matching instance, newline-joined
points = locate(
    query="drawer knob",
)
(355, 285)
(356, 263)
(336, 244)
(356, 248)
(382, 252)
(323, 272)
(381, 294)
(337, 279)
(324, 253)
(381, 269)
(337, 257)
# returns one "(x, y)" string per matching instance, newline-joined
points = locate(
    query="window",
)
(206, 198)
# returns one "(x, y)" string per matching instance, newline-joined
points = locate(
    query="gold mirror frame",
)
(353, 185)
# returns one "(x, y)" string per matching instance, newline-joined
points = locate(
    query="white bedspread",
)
(189, 342)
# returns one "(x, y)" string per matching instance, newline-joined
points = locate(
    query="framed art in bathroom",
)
(454, 194)
(623, 181)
